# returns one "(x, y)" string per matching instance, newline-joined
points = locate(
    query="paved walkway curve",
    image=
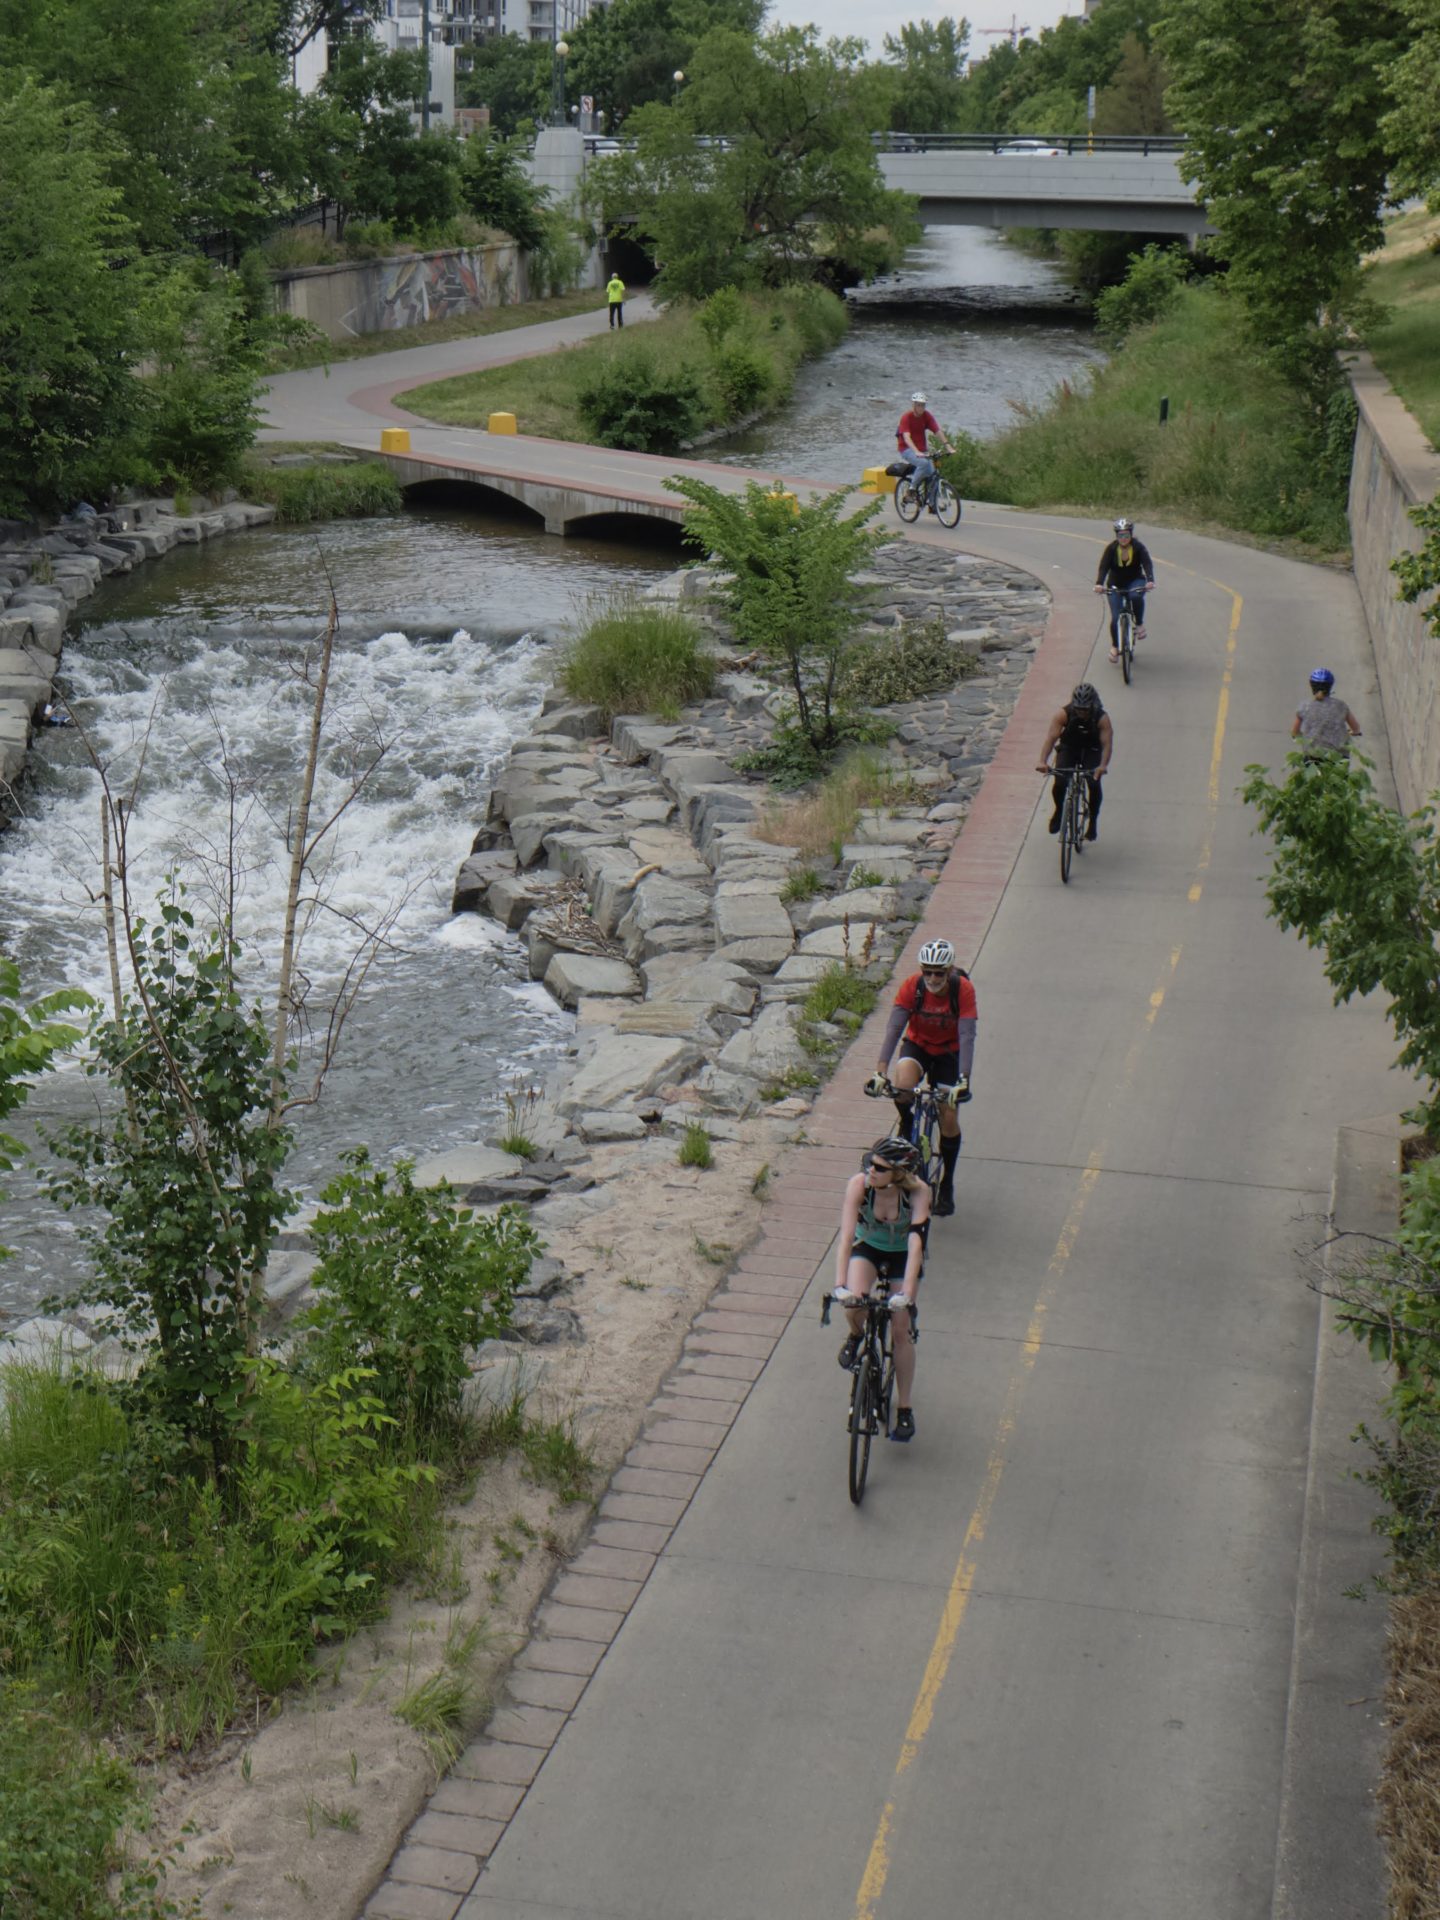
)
(1045, 1671)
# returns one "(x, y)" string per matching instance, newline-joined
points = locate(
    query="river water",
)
(449, 620)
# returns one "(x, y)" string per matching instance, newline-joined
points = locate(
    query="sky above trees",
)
(862, 19)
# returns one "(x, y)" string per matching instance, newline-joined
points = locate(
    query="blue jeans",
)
(922, 471)
(1118, 596)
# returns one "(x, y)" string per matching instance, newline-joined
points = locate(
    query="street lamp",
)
(679, 78)
(557, 94)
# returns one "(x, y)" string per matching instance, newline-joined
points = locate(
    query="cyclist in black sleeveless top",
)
(1080, 735)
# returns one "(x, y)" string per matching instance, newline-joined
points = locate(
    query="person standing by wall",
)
(615, 293)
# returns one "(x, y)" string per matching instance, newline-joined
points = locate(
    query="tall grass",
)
(633, 657)
(754, 364)
(1240, 450)
(820, 821)
(324, 492)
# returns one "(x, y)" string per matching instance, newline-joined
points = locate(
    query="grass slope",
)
(1405, 278)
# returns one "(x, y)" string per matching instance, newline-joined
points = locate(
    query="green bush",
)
(407, 1287)
(639, 658)
(742, 375)
(720, 315)
(330, 492)
(1148, 292)
(818, 317)
(62, 1803)
(631, 400)
(839, 989)
(905, 665)
(695, 1149)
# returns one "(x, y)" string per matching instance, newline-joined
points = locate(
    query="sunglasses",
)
(934, 973)
(875, 1172)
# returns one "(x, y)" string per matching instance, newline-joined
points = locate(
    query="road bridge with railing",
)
(1122, 183)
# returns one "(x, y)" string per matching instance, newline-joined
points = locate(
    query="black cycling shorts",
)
(941, 1069)
(888, 1265)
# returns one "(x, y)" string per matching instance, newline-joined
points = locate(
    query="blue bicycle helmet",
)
(1322, 677)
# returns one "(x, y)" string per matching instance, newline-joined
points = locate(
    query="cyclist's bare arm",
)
(849, 1220)
(1052, 740)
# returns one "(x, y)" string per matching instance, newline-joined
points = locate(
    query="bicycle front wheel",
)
(947, 505)
(862, 1421)
(907, 501)
(927, 1139)
(1127, 646)
(1082, 811)
(1067, 830)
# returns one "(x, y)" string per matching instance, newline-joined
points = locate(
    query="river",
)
(448, 625)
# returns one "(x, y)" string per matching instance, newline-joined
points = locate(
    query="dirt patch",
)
(295, 1818)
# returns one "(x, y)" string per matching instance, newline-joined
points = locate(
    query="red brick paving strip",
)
(733, 1337)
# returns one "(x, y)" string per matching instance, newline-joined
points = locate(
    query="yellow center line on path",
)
(957, 1598)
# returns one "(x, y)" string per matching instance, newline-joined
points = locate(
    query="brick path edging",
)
(732, 1337)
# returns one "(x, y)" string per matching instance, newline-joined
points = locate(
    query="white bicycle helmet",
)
(918, 400)
(937, 953)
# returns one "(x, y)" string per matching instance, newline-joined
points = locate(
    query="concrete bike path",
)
(1045, 1669)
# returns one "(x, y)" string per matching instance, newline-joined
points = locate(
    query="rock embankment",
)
(657, 886)
(45, 572)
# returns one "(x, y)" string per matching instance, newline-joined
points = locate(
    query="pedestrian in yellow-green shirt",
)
(615, 292)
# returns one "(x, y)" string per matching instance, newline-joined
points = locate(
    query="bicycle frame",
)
(924, 1127)
(872, 1384)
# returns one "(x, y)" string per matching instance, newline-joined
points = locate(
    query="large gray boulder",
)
(857, 904)
(464, 1166)
(569, 975)
(625, 1066)
(711, 985)
(839, 943)
(22, 678)
(750, 912)
(528, 830)
(476, 876)
(576, 722)
(511, 901)
(635, 738)
(764, 1049)
(658, 902)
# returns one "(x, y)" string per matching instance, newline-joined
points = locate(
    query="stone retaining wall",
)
(1395, 469)
(629, 861)
(45, 572)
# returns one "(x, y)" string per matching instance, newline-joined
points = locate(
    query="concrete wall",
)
(374, 296)
(1395, 468)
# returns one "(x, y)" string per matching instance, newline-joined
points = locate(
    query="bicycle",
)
(872, 1382)
(911, 497)
(1074, 816)
(1126, 622)
(924, 1125)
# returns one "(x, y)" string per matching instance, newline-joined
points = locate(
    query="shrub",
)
(205, 354)
(330, 492)
(821, 822)
(629, 400)
(819, 318)
(905, 665)
(639, 658)
(695, 1149)
(406, 1287)
(803, 884)
(720, 315)
(742, 376)
(839, 989)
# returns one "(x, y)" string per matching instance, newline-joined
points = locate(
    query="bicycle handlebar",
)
(947, 1095)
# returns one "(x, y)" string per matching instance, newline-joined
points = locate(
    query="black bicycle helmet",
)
(1085, 696)
(900, 1154)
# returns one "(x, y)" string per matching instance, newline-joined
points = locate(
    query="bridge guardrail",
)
(1068, 144)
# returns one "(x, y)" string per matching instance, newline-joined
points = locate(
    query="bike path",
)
(1045, 1669)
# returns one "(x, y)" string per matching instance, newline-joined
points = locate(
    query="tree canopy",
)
(626, 55)
(763, 167)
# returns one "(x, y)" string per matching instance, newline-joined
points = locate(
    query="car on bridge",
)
(1031, 150)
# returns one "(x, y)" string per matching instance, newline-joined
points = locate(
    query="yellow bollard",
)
(777, 492)
(501, 423)
(394, 440)
(876, 480)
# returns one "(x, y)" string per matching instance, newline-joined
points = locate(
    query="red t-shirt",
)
(917, 425)
(932, 1023)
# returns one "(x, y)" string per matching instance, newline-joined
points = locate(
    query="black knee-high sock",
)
(905, 1109)
(949, 1154)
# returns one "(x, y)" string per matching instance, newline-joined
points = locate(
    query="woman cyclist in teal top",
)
(884, 1222)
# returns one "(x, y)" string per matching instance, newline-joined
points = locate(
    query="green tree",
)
(1134, 99)
(1412, 127)
(510, 76)
(626, 55)
(795, 182)
(204, 361)
(362, 150)
(186, 1174)
(929, 62)
(1419, 573)
(1281, 104)
(791, 590)
(1362, 883)
(68, 301)
(30, 1037)
(194, 98)
(498, 190)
